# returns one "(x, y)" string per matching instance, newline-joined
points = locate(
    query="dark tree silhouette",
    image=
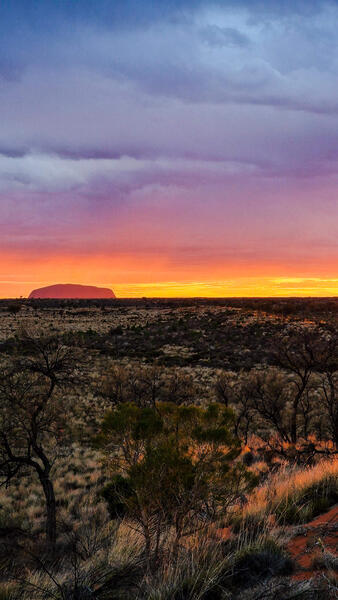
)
(32, 414)
(327, 367)
(146, 385)
(235, 390)
(297, 354)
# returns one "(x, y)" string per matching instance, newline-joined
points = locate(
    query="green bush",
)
(173, 461)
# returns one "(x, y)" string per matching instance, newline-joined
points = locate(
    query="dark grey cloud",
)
(237, 52)
(204, 81)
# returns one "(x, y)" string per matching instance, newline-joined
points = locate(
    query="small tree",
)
(173, 468)
(327, 367)
(146, 385)
(329, 388)
(32, 416)
(234, 390)
(297, 354)
(270, 391)
(139, 385)
(311, 359)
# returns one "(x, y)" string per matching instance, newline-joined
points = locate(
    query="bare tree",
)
(32, 415)
(297, 354)
(179, 388)
(145, 385)
(139, 385)
(224, 388)
(235, 390)
(270, 393)
(327, 367)
(329, 385)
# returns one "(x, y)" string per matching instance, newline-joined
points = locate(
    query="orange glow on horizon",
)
(241, 287)
(137, 275)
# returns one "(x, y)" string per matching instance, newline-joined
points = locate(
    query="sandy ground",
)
(312, 540)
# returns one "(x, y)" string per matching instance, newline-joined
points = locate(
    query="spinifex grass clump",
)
(307, 503)
(202, 573)
(292, 495)
(260, 561)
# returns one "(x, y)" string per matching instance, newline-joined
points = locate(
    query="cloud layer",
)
(199, 138)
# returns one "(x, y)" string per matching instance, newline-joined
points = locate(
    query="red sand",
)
(319, 535)
(316, 536)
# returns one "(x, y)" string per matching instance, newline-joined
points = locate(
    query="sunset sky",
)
(169, 147)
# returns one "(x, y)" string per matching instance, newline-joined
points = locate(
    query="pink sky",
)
(186, 150)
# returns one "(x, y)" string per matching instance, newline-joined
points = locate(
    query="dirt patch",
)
(312, 542)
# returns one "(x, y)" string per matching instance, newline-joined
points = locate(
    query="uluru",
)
(72, 291)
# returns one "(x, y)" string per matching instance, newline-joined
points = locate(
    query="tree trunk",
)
(147, 538)
(294, 415)
(51, 509)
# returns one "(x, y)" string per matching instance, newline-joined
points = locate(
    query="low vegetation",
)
(292, 495)
(167, 450)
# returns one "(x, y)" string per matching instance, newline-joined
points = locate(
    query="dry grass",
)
(206, 564)
(77, 477)
(109, 549)
(289, 483)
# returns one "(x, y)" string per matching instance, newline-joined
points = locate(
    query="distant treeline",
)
(282, 306)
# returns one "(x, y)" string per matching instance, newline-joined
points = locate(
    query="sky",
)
(169, 147)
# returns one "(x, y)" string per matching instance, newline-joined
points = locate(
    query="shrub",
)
(248, 458)
(174, 466)
(8, 522)
(115, 494)
(14, 308)
(260, 562)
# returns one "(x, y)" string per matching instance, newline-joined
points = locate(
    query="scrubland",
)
(191, 447)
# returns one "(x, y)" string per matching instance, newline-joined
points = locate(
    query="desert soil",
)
(318, 537)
